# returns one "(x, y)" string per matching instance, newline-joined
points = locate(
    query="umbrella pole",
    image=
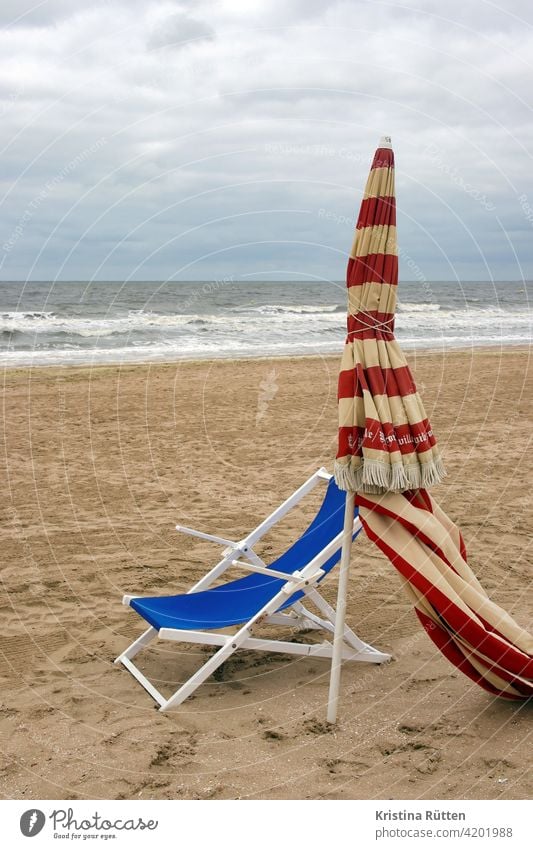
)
(340, 618)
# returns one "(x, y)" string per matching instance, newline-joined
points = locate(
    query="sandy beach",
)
(99, 465)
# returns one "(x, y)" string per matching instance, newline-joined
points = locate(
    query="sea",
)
(53, 323)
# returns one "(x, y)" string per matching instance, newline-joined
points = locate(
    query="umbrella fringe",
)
(375, 478)
(425, 475)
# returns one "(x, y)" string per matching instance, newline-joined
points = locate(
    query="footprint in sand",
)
(343, 768)
(273, 734)
(316, 726)
(443, 727)
(180, 750)
(497, 767)
(411, 729)
(210, 792)
(421, 756)
(424, 683)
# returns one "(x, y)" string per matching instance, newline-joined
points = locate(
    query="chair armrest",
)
(302, 579)
(265, 570)
(209, 537)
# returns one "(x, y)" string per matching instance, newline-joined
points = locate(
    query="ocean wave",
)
(169, 351)
(136, 335)
(290, 309)
(25, 315)
(447, 320)
(42, 323)
(141, 325)
(405, 306)
(140, 321)
(190, 350)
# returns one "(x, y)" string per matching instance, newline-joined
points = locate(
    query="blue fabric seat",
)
(237, 601)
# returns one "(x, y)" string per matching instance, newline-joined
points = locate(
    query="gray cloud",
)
(178, 30)
(33, 13)
(123, 155)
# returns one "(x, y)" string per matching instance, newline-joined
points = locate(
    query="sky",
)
(147, 140)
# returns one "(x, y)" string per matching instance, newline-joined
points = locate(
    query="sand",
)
(101, 463)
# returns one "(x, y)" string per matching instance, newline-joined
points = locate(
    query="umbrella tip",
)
(385, 141)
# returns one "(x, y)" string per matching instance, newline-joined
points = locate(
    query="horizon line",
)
(229, 279)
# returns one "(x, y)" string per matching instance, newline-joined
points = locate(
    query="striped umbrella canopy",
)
(475, 634)
(388, 457)
(385, 439)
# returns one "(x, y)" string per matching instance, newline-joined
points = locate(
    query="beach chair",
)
(270, 595)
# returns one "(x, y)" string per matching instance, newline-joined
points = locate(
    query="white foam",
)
(289, 309)
(241, 332)
(405, 306)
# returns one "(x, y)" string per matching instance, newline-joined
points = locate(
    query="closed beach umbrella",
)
(385, 439)
(388, 457)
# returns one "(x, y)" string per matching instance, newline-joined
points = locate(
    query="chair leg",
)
(183, 692)
(140, 643)
(232, 643)
(126, 660)
(311, 620)
(350, 636)
(300, 620)
(200, 676)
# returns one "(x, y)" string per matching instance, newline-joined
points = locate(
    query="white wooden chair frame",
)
(297, 617)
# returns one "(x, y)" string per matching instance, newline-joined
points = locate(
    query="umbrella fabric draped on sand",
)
(428, 551)
(388, 456)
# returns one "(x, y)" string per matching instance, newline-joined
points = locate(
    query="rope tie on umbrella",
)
(371, 323)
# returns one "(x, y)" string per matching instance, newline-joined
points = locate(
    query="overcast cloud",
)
(157, 140)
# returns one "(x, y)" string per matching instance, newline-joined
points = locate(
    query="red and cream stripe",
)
(388, 455)
(385, 439)
(475, 634)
